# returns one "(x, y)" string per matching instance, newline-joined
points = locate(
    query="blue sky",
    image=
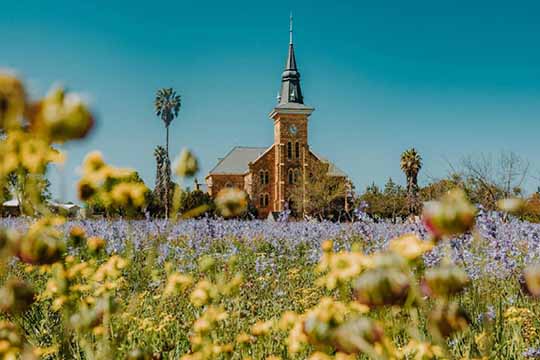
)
(450, 78)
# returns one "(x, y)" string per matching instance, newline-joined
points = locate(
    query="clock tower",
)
(291, 146)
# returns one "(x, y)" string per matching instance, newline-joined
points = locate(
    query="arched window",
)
(291, 176)
(263, 200)
(289, 150)
(266, 177)
(296, 175)
(261, 177)
(297, 150)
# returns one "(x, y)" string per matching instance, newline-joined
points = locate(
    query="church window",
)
(297, 150)
(264, 177)
(289, 150)
(291, 176)
(263, 200)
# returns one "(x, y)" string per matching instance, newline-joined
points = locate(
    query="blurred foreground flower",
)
(43, 243)
(511, 205)
(61, 116)
(444, 281)
(382, 286)
(452, 215)
(410, 246)
(16, 296)
(447, 319)
(231, 202)
(12, 101)
(531, 275)
(10, 340)
(186, 165)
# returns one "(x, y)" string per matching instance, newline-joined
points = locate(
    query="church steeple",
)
(290, 79)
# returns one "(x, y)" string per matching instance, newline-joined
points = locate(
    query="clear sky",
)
(448, 77)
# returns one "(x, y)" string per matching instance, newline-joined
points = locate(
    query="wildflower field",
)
(457, 282)
(202, 289)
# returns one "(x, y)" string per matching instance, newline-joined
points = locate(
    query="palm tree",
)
(163, 179)
(411, 163)
(167, 105)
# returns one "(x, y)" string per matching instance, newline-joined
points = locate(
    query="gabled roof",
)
(237, 160)
(333, 170)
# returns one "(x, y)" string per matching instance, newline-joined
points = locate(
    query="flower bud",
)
(61, 116)
(16, 296)
(95, 244)
(345, 337)
(186, 164)
(531, 276)
(231, 202)
(444, 281)
(452, 215)
(8, 241)
(511, 205)
(42, 244)
(138, 354)
(379, 287)
(77, 236)
(85, 190)
(410, 246)
(12, 101)
(11, 340)
(447, 319)
(320, 323)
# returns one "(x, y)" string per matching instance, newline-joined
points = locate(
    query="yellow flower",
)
(423, 350)
(12, 101)
(61, 116)
(231, 202)
(410, 246)
(262, 328)
(177, 283)
(129, 194)
(186, 164)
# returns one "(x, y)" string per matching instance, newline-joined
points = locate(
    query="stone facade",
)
(268, 175)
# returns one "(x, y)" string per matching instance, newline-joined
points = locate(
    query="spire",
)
(290, 29)
(290, 79)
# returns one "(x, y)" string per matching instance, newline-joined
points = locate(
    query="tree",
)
(162, 196)
(391, 203)
(320, 195)
(488, 179)
(411, 163)
(195, 203)
(167, 105)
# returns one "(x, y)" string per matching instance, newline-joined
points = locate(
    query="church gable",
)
(262, 177)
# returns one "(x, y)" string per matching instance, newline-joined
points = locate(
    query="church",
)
(268, 174)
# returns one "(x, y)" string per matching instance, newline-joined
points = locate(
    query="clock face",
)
(293, 130)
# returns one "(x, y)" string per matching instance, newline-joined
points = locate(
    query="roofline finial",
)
(291, 29)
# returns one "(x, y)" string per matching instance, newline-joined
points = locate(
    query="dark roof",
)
(237, 160)
(291, 91)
